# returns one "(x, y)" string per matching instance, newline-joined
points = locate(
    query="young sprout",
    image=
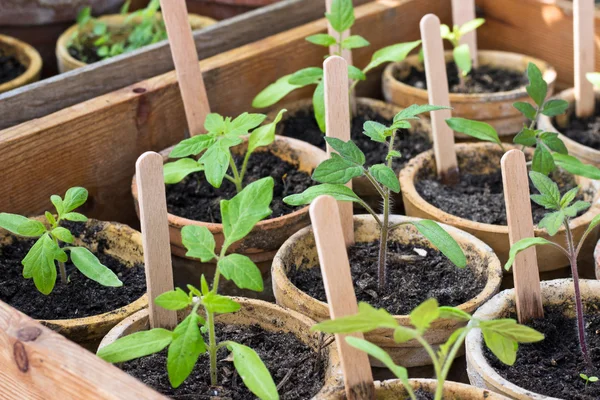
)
(562, 209)
(40, 261)
(341, 18)
(216, 159)
(588, 379)
(186, 342)
(594, 78)
(550, 151)
(461, 52)
(501, 336)
(348, 163)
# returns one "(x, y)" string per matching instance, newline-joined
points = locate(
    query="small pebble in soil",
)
(10, 67)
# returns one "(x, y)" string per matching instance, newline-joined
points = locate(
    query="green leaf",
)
(74, 216)
(192, 146)
(136, 345)
(574, 166)
(174, 172)
(355, 73)
(173, 300)
(393, 154)
(568, 197)
(545, 201)
(367, 319)
(442, 241)
(246, 209)
(471, 25)
(526, 109)
(57, 201)
(511, 329)
(412, 111)
(348, 150)
(306, 76)
(386, 176)
(402, 334)
(49, 217)
(219, 304)
(337, 191)
(354, 42)
(479, 130)
(62, 234)
(186, 347)
(204, 285)
(265, 135)
(545, 186)
(336, 170)
(216, 162)
(341, 15)
(194, 291)
(318, 101)
(462, 58)
(75, 197)
(274, 92)
(553, 142)
(322, 39)
(375, 131)
(99, 28)
(394, 53)
(552, 222)
(379, 354)
(39, 264)
(425, 313)
(214, 123)
(84, 16)
(400, 124)
(245, 122)
(199, 242)
(527, 137)
(253, 371)
(537, 87)
(125, 7)
(543, 161)
(576, 208)
(454, 313)
(89, 265)
(522, 245)
(555, 107)
(445, 31)
(242, 271)
(21, 226)
(502, 347)
(593, 78)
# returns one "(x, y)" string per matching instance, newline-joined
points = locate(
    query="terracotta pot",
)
(66, 62)
(300, 249)
(597, 259)
(269, 317)
(494, 108)
(27, 56)
(268, 235)
(586, 154)
(557, 292)
(123, 243)
(482, 158)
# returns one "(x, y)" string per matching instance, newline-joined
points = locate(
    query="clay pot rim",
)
(412, 168)
(474, 341)
(549, 75)
(62, 51)
(493, 269)
(33, 69)
(180, 222)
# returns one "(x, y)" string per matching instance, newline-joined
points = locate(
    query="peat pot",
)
(482, 158)
(494, 108)
(268, 235)
(558, 292)
(27, 56)
(300, 250)
(269, 317)
(66, 62)
(119, 241)
(597, 260)
(584, 153)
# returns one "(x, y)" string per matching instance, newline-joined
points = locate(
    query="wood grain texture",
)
(155, 236)
(337, 122)
(464, 11)
(39, 364)
(335, 267)
(583, 42)
(437, 82)
(520, 226)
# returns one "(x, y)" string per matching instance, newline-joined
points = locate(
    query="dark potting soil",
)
(81, 297)
(411, 278)
(583, 130)
(195, 198)
(552, 367)
(303, 126)
(10, 68)
(86, 54)
(297, 370)
(478, 198)
(484, 79)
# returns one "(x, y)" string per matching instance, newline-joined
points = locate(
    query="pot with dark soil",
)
(476, 203)
(415, 271)
(488, 94)
(550, 369)
(20, 63)
(303, 363)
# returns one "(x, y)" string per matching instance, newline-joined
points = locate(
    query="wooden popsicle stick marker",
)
(341, 298)
(337, 123)
(187, 66)
(463, 11)
(520, 226)
(155, 236)
(584, 48)
(437, 89)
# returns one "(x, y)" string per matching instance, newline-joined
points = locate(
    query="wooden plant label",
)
(463, 11)
(341, 298)
(584, 47)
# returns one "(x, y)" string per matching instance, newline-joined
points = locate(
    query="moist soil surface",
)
(585, 131)
(86, 54)
(485, 79)
(81, 297)
(552, 367)
(411, 278)
(303, 126)
(194, 198)
(10, 68)
(296, 369)
(478, 198)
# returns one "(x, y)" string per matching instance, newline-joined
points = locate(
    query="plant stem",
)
(244, 166)
(236, 175)
(61, 266)
(212, 347)
(448, 363)
(381, 270)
